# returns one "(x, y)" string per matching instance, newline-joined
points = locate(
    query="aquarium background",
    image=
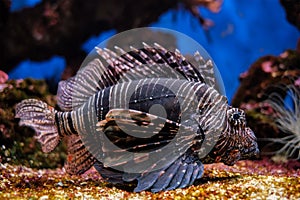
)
(242, 33)
(248, 36)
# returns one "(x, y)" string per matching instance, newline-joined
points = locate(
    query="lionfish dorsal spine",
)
(148, 62)
(206, 68)
(142, 55)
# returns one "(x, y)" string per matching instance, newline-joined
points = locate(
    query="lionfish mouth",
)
(233, 157)
(236, 155)
(251, 153)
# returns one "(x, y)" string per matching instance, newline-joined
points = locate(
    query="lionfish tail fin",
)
(41, 117)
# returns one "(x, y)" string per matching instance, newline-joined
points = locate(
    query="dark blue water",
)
(243, 32)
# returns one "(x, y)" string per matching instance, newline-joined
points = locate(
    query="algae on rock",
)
(265, 77)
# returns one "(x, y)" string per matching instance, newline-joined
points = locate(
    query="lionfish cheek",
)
(235, 155)
(218, 159)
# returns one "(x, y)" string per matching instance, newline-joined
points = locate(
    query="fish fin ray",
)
(109, 174)
(113, 127)
(64, 94)
(41, 117)
(79, 159)
(121, 66)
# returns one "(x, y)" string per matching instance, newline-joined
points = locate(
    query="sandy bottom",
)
(258, 179)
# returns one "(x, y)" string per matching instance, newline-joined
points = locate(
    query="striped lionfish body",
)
(148, 115)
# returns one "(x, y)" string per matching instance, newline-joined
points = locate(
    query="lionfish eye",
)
(236, 116)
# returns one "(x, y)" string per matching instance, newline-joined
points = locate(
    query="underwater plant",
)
(286, 115)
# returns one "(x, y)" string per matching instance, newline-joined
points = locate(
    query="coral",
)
(257, 84)
(287, 118)
(17, 145)
(3, 77)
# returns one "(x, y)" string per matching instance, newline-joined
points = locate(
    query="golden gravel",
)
(261, 179)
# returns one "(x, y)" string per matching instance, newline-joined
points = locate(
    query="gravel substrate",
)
(260, 179)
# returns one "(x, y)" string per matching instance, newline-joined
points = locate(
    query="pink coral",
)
(267, 66)
(3, 77)
(297, 82)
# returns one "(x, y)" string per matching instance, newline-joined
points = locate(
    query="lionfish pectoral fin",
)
(146, 181)
(143, 124)
(168, 174)
(41, 117)
(149, 162)
(79, 159)
(109, 174)
(179, 174)
(125, 119)
(187, 173)
(132, 131)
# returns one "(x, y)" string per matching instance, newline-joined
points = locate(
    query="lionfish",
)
(107, 118)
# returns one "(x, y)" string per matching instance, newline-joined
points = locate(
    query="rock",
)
(264, 77)
(292, 9)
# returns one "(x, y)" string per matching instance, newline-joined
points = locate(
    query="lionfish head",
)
(237, 140)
